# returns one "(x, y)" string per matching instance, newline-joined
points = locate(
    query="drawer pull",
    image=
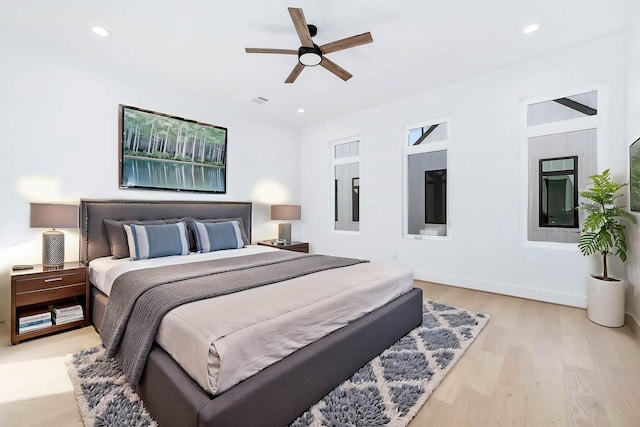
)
(57, 279)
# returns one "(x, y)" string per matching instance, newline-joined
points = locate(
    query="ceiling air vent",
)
(259, 100)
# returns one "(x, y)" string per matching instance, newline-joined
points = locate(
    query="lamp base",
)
(52, 249)
(284, 232)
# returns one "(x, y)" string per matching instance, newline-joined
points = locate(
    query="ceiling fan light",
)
(309, 56)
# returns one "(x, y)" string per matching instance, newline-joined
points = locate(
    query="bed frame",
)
(278, 394)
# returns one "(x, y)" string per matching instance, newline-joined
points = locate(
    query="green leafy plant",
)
(602, 231)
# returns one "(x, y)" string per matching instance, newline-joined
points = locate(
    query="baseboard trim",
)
(571, 300)
(633, 325)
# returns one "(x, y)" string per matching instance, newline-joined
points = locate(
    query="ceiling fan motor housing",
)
(309, 56)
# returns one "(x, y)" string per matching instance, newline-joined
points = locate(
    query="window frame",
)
(542, 174)
(407, 151)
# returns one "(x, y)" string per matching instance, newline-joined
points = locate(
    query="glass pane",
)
(558, 165)
(427, 193)
(347, 197)
(348, 149)
(435, 197)
(355, 199)
(431, 133)
(566, 108)
(557, 208)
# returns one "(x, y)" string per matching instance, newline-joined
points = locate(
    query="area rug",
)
(387, 391)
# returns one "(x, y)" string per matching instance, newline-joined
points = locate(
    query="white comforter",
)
(223, 340)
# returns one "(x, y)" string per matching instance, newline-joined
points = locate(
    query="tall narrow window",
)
(561, 135)
(355, 199)
(345, 162)
(435, 196)
(558, 193)
(426, 179)
(335, 200)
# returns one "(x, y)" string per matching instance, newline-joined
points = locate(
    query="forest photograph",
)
(159, 151)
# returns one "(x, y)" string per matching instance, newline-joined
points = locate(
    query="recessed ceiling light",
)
(531, 28)
(300, 110)
(100, 31)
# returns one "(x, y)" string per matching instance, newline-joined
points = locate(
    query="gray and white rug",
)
(387, 391)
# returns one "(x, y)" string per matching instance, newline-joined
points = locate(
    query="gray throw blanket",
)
(140, 299)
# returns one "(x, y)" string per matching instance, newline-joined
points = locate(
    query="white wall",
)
(487, 206)
(633, 133)
(60, 144)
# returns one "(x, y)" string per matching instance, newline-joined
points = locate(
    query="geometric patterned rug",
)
(387, 391)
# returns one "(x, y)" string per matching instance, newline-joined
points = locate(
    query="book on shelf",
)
(35, 322)
(62, 315)
(62, 321)
(34, 327)
(70, 309)
(23, 320)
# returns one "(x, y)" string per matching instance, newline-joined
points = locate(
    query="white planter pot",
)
(605, 302)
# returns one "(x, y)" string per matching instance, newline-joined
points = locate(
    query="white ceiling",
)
(418, 44)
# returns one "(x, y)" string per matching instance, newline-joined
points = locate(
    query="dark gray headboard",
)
(93, 237)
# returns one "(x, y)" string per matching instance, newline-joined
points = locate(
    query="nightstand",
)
(39, 290)
(293, 246)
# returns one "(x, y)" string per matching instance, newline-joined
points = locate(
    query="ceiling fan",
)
(310, 54)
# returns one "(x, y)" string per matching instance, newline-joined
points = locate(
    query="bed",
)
(275, 395)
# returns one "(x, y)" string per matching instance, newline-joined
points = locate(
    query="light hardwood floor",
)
(534, 364)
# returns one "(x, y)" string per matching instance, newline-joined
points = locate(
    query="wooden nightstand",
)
(293, 246)
(34, 291)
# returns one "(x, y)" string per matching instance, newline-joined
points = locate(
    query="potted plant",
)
(603, 233)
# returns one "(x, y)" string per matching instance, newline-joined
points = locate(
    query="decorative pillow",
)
(192, 232)
(118, 238)
(216, 236)
(154, 241)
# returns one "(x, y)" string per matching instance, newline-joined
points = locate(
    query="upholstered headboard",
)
(93, 236)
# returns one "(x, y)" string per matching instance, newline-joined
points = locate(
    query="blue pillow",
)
(216, 236)
(153, 241)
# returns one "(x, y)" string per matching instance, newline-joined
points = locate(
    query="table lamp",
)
(285, 213)
(53, 216)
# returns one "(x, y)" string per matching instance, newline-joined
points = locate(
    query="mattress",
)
(221, 341)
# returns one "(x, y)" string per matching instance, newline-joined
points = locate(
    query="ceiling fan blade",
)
(335, 69)
(353, 41)
(297, 16)
(295, 73)
(266, 50)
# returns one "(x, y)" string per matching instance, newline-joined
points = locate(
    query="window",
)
(426, 180)
(435, 196)
(558, 193)
(355, 199)
(561, 136)
(345, 162)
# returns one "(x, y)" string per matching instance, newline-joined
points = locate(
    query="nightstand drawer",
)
(298, 247)
(48, 281)
(292, 246)
(52, 293)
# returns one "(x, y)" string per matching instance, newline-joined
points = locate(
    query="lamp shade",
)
(285, 212)
(44, 215)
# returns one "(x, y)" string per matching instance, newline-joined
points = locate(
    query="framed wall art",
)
(163, 152)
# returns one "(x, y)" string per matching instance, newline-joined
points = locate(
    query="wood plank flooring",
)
(535, 364)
